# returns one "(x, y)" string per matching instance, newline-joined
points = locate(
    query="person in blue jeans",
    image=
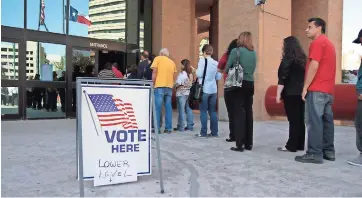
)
(182, 86)
(208, 100)
(163, 72)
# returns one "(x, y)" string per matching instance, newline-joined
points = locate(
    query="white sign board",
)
(116, 122)
(46, 72)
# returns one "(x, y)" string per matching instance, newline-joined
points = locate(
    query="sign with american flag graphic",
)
(116, 120)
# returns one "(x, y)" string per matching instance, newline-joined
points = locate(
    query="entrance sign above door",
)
(100, 45)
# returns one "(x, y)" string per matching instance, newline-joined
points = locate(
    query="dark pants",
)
(294, 108)
(358, 124)
(319, 120)
(239, 104)
(52, 101)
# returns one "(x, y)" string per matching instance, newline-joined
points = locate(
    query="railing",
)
(344, 106)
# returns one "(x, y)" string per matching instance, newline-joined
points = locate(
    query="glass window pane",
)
(12, 13)
(45, 102)
(98, 19)
(9, 100)
(9, 61)
(48, 62)
(46, 15)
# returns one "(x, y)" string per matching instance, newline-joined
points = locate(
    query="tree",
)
(59, 65)
(81, 60)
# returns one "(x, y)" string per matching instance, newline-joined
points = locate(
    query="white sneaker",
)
(357, 161)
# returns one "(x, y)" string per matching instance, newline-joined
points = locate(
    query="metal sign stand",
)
(79, 145)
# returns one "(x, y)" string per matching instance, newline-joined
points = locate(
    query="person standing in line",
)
(142, 66)
(163, 75)
(221, 67)
(107, 72)
(318, 94)
(116, 71)
(358, 121)
(182, 87)
(209, 95)
(290, 86)
(239, 100)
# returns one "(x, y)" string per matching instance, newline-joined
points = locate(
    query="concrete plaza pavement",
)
(39, 159)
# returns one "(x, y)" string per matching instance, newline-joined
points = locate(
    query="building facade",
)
(120, 29)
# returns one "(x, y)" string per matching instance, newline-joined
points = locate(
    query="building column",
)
(269, 25)
(329, 10)
(174, 28)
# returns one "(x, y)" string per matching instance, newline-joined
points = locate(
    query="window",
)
(108, 19)
(54, 13)
(4, 49)
(8, 67)
(9, 100)
(12, 13)
(51, 62)
(45, 102)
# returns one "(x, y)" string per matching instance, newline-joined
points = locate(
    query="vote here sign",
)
(116, 122)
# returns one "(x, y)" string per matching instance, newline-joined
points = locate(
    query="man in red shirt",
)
(318, 94)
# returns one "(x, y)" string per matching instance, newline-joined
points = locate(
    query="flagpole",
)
(38, 48)
(86, 98)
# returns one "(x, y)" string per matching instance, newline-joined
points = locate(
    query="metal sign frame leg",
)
(79, 138)
(158, 149)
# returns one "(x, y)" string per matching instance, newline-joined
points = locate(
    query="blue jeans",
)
(320, 126)
(163, 95)
(208, 104)
(184, 110)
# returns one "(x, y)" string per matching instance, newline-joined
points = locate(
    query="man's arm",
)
(154, 75)
(312, 70)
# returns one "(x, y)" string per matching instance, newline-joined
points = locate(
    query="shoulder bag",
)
(235, 75)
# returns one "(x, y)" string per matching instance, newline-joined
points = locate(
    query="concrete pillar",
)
(329, 10)
(174, 27)
(269, 26)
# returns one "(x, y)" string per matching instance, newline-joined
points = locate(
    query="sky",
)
(12, 15)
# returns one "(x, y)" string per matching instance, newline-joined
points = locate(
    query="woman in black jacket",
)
(290, 85)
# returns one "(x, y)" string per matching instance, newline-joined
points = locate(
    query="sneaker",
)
(167, 131)
(329, 156)
(211, 135)
(357, 161)
(199, 135)
(309, 158)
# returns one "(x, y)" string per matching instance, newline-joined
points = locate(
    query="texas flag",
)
(75, 16)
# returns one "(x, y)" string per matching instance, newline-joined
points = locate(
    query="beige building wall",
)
(329, 10)
(174, 27)
(268, 29)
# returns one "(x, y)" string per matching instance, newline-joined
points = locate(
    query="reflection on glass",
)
(9, 100)
(350, 64)
(12, 13)
(98, 19)
(46, 15)
(44, 102)
(9, 61)
(48, 61)
(142, 36)
(202, 43)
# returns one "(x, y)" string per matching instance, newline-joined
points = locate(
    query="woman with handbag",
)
(290, 86)
(182, 87)
(222, 64)
(239, 91)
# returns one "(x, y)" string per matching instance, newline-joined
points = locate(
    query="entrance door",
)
(112, 57)
(12, 92)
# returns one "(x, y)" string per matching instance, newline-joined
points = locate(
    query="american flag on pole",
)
(42, 13)
(113, 111)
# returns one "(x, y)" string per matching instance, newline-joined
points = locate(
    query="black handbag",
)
(196, 89)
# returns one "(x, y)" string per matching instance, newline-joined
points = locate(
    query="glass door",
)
(11, 92)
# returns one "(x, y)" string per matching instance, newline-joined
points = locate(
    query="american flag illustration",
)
(42, 13)
(113, 111)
